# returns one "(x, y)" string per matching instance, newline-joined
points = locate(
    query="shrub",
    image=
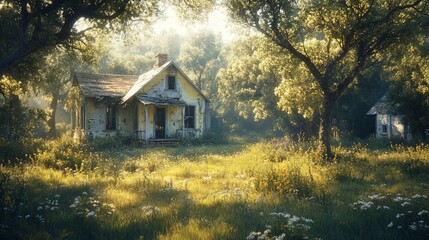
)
(65, 154)
(288, 181)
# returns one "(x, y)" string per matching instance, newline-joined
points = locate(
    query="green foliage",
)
(409, 90)
(332, 43)
(289, 181)
(227, 192)
(39, 26)
(199, 56)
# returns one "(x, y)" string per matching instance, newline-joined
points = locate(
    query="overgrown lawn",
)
(267, 190)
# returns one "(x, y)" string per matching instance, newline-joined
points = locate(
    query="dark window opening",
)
(111, 118)
(171, 83)
(190, 117)
(384, 129)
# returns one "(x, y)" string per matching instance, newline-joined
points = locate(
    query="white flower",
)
(57, 196)
(84, 193)
(90, 214)
(39, 208)
(416, 196)
(412, 227)
(399, 215)
(28, 216)
(405, 204)
(422, 212)
(390, 224)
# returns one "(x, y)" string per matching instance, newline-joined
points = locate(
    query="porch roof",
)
(149, 100)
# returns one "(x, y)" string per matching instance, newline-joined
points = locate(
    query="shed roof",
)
(103, 85)
(382, 106)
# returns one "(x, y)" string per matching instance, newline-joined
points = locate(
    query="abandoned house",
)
(162, 103)
(388, 123)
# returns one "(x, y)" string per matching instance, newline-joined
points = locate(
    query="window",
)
(384, 129)
(190, 117)
(171, 83)
(111, 118)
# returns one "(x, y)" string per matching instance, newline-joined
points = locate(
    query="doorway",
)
(160, 123)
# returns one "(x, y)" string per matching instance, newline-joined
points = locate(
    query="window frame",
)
(384, 129)
(174, 85)
(187, 118)
(111, 118)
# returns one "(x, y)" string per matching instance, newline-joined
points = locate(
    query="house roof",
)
(382, 106)
(149, 100)
(147, 77)
(102, 85)
(124, 86)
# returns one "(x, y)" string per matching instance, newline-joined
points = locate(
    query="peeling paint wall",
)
(95, 120)
(185, 92)
(131, 118)
(393, 126)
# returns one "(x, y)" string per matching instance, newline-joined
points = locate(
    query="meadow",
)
(270, 189)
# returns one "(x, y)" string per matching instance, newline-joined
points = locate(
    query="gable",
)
(154, 83)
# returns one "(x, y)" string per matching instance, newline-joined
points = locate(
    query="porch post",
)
(183, 122)
(145, 124)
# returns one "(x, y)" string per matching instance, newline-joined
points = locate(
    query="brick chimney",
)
(161, 59)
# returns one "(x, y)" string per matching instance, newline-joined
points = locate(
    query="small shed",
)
(388, 122)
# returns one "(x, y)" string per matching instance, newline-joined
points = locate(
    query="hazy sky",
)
(217, 22)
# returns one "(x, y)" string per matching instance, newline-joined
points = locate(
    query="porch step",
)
(163, 141)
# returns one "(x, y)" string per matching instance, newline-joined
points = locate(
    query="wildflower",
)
(390, 225)
(57, 196)
(91, 214)
(422, 212)
(405, 204)
(28, 216)
(416, 196)
(397, 199)
(399, 215)
(412, 227)
(39, 208)
(84, 193)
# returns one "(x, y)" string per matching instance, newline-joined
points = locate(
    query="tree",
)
(199, 54)
(247, 85)
(351, 36)
(30, 26)
(409, 90)
(53, 80)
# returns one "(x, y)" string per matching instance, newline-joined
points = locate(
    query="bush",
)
(16, 151)
(65, 154)
(288, 181)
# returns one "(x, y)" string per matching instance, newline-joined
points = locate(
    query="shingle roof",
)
(103, 85)
(124, 86)
(382, 106)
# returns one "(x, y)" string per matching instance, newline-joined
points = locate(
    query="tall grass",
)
(273, 189)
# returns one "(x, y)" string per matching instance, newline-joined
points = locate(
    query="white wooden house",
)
(161, 103)
(388, 123)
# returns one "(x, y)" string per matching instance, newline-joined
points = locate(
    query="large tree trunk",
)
(51, 122)
(325, 129)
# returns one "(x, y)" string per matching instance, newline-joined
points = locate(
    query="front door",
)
(160, 123)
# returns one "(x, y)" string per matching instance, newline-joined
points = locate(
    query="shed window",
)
(190, 117)
(384, 129)
(111, 117)
(171, 82)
